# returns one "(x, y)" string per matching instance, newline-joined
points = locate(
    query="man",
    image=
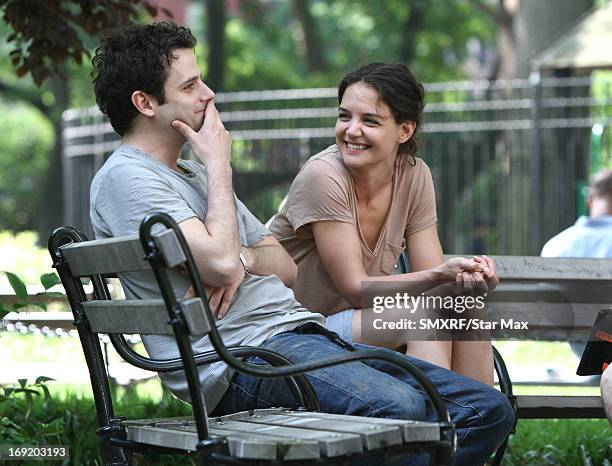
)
(590, 237)
(147, 82)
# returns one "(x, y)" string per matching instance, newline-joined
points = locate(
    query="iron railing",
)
(509, 159)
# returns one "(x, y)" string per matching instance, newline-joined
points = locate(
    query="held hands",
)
(212, 144)
(473, 276)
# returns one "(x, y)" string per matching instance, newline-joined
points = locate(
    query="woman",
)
(354, 207)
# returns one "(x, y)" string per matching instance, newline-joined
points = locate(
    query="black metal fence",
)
(509, 158)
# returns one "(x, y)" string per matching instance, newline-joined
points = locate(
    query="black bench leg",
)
(505, 385)
(112, 454)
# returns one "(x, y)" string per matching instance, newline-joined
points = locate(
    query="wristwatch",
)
(244, 262)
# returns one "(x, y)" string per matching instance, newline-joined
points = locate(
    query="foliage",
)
(72, 421)
(26, 139)
(569, 442)
(17, 425)
(48, 34)
(47, 280)
(263, 53)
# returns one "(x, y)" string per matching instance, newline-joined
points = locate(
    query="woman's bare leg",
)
(436, 352)
(473, 359)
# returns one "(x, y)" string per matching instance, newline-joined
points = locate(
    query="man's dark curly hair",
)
(397, 88)
(136, 57)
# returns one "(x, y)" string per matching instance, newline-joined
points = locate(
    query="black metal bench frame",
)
(74, 260)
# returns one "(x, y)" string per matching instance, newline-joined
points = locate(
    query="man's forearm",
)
(215, 242)
(270, 260)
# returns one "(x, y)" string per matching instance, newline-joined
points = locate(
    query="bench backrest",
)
(559, 297)
(76, 258)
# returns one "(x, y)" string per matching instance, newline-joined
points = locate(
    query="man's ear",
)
(589, 202)
(407, 130)
(144, 103)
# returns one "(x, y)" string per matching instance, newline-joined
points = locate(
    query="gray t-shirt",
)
(131, 185)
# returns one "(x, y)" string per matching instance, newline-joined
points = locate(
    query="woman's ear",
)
(142, 101)
(407, 130)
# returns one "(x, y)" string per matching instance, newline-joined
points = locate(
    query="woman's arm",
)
(424, 249)
(340, 251)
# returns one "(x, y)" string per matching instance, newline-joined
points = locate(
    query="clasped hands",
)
(475, 276)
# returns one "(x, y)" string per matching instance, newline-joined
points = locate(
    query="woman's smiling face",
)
(366, 131)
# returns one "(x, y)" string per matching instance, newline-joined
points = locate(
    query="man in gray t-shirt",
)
(132, 184)
(147, 82)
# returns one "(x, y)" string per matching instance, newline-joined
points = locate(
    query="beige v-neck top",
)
(323, 190)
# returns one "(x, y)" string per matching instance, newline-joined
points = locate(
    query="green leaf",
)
(49, 280)
(27, 391)
(55, 294)
(18, 286)
(3, 312)
(22, 382)
(43, 379)
(47, 393)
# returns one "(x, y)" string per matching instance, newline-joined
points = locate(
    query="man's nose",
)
(207, 92)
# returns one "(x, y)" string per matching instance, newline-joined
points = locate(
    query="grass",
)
(77, 416)
(537, 442)
(567, 442)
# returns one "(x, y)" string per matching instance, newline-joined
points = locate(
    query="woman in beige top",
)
(355, 206)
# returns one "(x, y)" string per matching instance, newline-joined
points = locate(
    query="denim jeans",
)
(482, 415)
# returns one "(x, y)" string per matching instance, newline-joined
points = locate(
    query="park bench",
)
(266, 436)
(559, 298)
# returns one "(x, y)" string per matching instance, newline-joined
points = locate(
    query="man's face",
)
(185, 92)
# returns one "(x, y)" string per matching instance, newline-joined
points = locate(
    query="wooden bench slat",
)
(331, 444)
(372, 435)
(117, 255)
(105, 256)
(549, 269)
(144, 316)
(559, 407)
(412, 431)
(183, 435)
(552, 292)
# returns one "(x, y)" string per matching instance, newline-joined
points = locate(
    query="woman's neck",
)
(371, 181)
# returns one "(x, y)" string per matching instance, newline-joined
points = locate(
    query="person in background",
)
(354, 207)
(590, 237)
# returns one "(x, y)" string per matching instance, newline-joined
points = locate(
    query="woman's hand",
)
(488, 269)
(457, 265)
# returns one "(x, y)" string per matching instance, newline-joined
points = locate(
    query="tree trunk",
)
(410, 29)
(215, 37)
(309, 37)
(50, 204)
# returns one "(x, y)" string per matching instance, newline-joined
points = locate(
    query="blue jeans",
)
(482, 415)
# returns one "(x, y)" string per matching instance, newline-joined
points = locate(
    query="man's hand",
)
(220, 299)
(212, 144)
